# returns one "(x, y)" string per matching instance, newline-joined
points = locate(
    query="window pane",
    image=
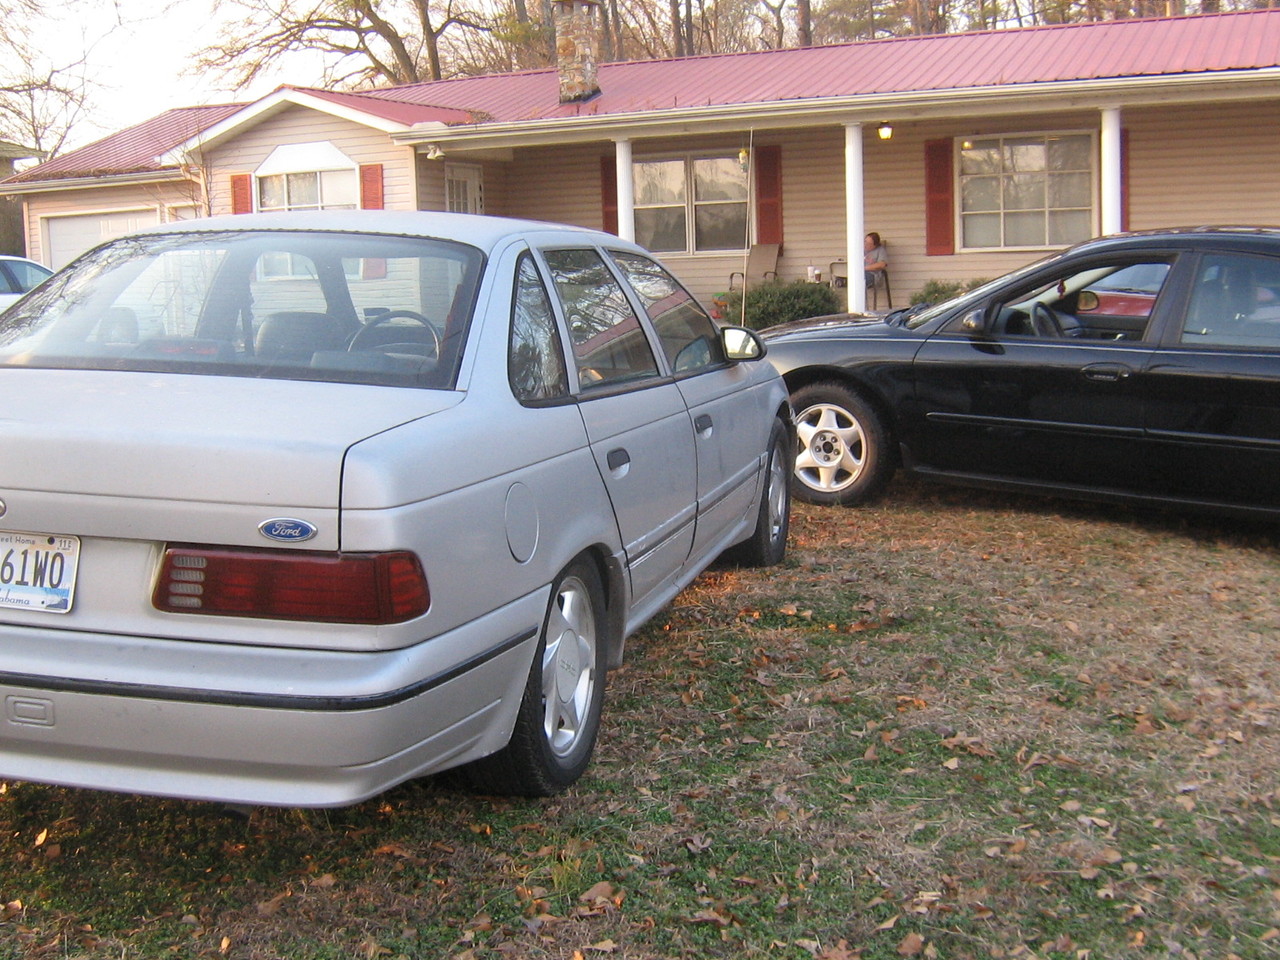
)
(1070, 190)
(1070, 153)
(1069, 226)
(661, 229)
(303, 189)
(981, 230)
(719, 178)
(271, 193)
(338, 188)
(1024, 156)
(1024, 229)
(609, 344)
(659, 182)
(982, 157)
(535, 363)
(721, 226)
(980, 193)
(688, 336)
(1024, 192)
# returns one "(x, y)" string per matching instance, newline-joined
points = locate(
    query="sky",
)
(147, 66)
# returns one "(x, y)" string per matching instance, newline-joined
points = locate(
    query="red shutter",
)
(939, 199)
(769, 194)
(371, 186)
(241, 193)
(609, 194)
(1124, 179)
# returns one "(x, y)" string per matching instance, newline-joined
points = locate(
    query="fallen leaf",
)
(911, 945)
(952, 764)
(603, 890)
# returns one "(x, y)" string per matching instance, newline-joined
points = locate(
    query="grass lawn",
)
(952, 725)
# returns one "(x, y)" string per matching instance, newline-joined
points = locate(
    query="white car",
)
(296, 507)
(17, 276)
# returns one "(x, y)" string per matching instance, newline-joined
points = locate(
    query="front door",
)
(1051, 391)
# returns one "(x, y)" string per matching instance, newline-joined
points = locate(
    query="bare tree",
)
(371, 42)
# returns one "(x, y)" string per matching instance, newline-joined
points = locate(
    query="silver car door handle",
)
(702, 423)
(1109, 372)
(617, 459)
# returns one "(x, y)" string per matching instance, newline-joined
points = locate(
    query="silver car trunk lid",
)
(166, 457)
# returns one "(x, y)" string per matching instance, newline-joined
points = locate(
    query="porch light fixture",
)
(885, 131)
(744, 157)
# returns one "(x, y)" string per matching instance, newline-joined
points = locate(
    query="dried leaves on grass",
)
(951, 725)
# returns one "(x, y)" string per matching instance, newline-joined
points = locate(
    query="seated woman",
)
(875, 260)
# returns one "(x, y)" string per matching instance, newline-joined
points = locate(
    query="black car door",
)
(1042, 384)
(1213, 387)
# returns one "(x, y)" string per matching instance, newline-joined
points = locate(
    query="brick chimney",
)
(577, 48)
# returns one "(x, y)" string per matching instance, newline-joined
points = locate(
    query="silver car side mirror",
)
(741, 344)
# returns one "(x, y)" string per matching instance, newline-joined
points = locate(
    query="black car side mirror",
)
(975, 323)
(741, 344)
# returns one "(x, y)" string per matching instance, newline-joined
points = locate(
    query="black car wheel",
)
(768, 543)
(842, 452)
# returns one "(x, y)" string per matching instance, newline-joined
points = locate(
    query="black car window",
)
(535, 360)
(609, 343)
(687, 334)
(1101, 301)
(1235, 302)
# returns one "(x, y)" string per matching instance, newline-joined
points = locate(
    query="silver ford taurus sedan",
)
(296, 507)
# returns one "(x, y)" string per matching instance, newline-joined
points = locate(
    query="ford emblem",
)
(286, 530)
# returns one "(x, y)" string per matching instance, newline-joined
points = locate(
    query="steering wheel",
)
(1044, 322)
(366, 337)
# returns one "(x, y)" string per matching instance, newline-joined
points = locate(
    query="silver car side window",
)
(535, 361)
(687, 334)
(609, 344)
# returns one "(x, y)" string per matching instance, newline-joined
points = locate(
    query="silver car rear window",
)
(310, 305)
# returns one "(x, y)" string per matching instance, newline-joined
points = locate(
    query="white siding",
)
(302, 125)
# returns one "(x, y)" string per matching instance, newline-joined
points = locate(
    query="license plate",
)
(38, 571)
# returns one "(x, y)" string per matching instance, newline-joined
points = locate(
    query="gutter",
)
(86, 183)
(1117, 92)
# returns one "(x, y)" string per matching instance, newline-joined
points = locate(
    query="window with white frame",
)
(463, 188)
(1032, 190)
(307, 176)
(691, 204)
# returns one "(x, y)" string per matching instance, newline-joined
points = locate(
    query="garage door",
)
(68, 237)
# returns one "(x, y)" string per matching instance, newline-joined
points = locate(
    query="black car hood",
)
(841, 324)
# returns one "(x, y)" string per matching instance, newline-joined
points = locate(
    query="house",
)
(970, 153)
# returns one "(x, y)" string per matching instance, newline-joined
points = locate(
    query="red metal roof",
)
(1241, 42)
(1086, 51)
(137, 149)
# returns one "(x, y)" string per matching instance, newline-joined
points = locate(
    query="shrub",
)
(935, 291)
(773, 303)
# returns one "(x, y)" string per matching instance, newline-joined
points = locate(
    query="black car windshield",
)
(929, 312)
(306, 305)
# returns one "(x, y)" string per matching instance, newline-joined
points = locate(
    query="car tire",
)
(767, 544)
(559, 717)
(842, 446)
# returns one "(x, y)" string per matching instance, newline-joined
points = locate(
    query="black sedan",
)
(1142, 367)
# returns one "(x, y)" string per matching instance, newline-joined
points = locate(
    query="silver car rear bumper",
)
(258, 725)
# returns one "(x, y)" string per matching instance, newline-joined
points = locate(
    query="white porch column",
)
(854, 216)
(1109, 176)
(626, 190)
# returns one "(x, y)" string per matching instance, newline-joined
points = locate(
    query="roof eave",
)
(870, 108)
(168, 175)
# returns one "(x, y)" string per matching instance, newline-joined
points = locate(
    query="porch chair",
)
(762, 264)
